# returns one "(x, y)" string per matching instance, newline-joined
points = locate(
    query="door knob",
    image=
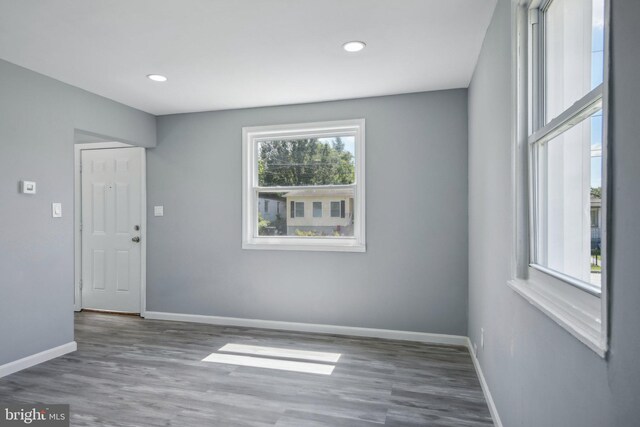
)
(135, 239)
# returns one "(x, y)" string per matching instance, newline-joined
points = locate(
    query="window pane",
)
(320, 224)
(317, 209)
(574, 52)
(313, 161)
(569, 181)
(335, 209)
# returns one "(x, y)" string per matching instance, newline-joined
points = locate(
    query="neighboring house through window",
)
(270, 206)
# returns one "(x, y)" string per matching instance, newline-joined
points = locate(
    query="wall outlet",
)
(158, 211)
(481, 337)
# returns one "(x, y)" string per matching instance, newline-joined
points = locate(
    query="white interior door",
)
(111, 229)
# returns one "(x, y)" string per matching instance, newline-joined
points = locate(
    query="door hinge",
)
(533, 16)
(80, 284)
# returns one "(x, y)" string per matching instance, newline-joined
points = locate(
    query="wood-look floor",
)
(134, 372)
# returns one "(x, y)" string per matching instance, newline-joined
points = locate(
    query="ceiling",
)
(245, 53)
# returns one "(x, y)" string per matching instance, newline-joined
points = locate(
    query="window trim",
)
(250, 135)
(582, 312)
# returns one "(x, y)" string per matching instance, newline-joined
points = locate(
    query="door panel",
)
(98, 270)
(122, 270)
(111, 211)
(98, 206)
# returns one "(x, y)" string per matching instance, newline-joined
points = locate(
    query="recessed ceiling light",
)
(354, 46)
(157, 77)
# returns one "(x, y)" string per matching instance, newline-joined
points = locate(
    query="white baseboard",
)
(35, 359)
(312, 327)
(485, 387)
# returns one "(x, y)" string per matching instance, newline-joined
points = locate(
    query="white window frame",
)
(250, 188)
(577, 306)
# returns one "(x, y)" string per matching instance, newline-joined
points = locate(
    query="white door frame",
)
(77, 216)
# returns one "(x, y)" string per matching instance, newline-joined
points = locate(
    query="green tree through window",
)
(311, 161)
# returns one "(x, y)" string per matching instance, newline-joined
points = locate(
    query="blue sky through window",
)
(348, 141)
(597, 77)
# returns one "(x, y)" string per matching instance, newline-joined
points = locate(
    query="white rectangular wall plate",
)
(27, 187)
(56, 210)
(158, 211)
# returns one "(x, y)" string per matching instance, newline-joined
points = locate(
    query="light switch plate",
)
(158, 211)
(27, 187)
(56, 210)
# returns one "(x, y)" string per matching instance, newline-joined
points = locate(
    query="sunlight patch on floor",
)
(260, 362)
(316, 356)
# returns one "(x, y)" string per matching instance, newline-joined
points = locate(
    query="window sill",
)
(575, 310)
(293, 244)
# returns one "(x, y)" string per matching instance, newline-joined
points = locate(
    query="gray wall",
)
(414, 273)
(538, 374)
(39, 117)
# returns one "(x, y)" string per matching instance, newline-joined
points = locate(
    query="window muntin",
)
(311, 164)
(566, 90)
